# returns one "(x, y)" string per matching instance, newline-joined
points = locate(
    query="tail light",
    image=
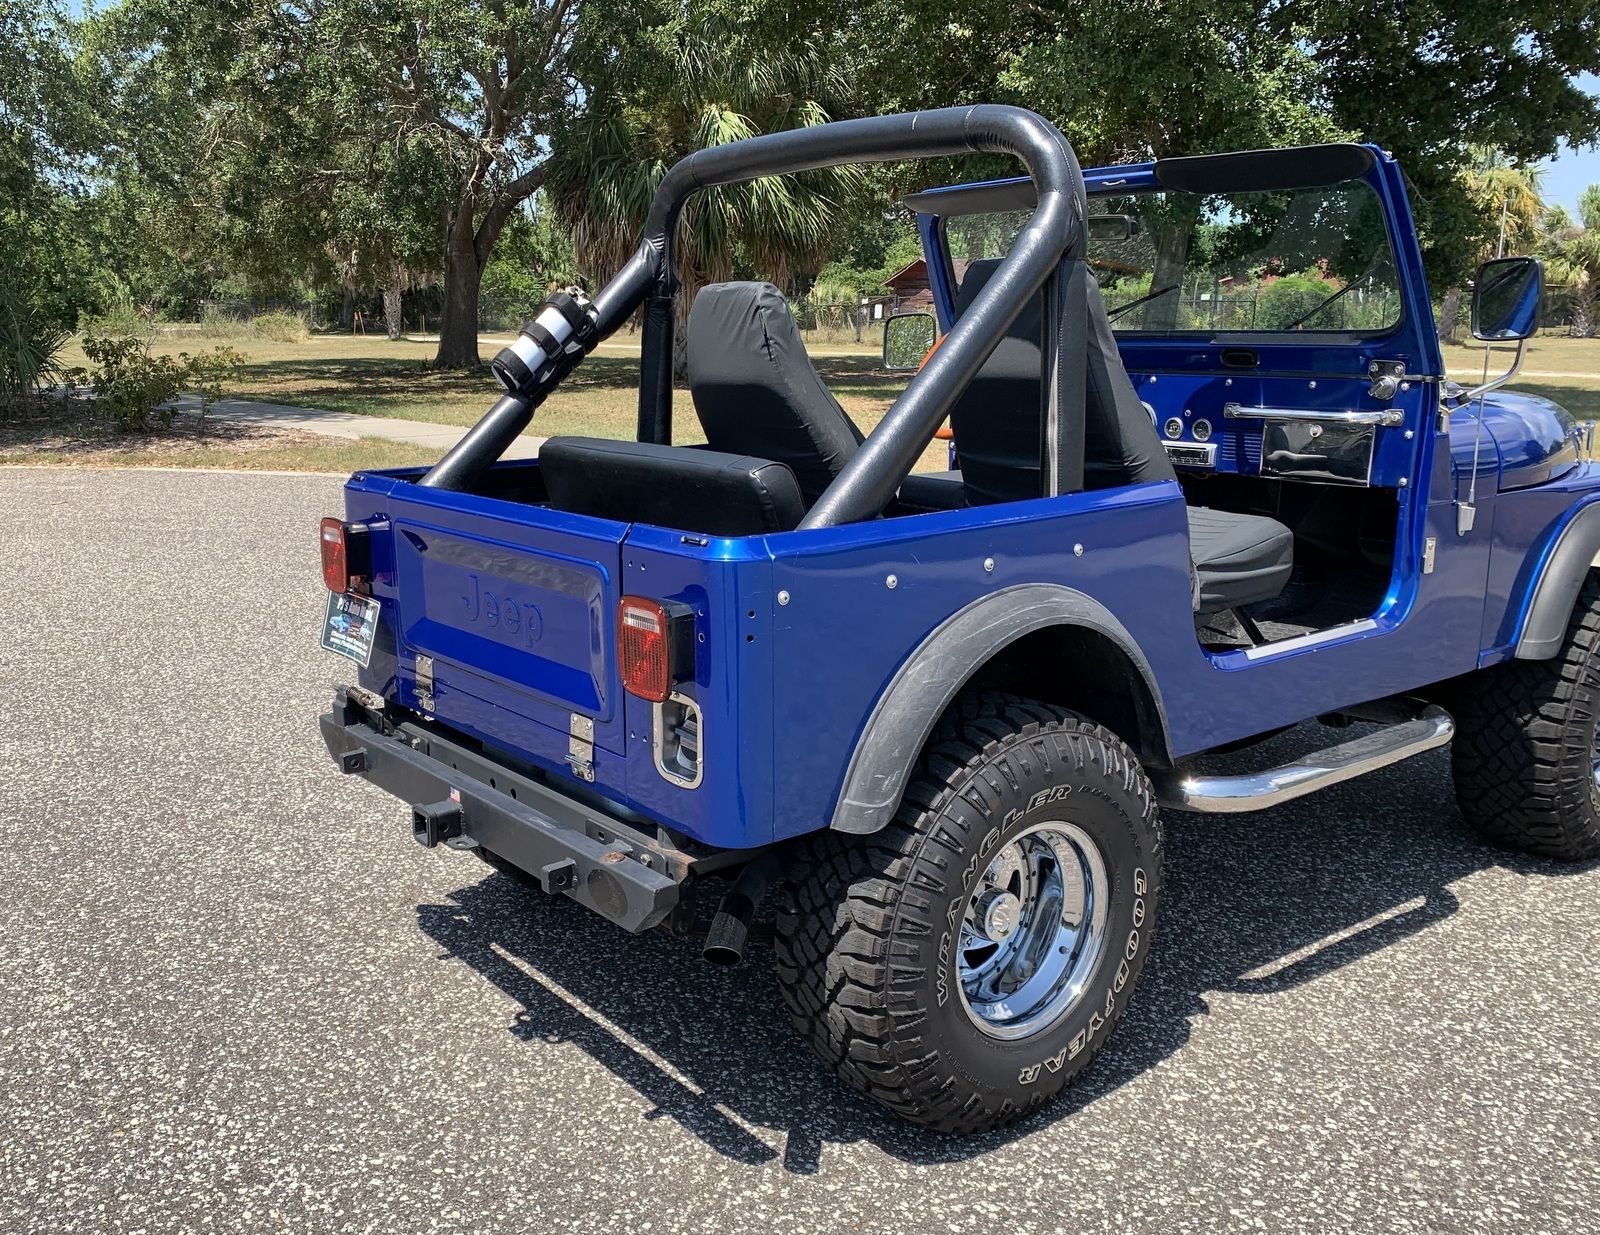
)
(345, 555)
(654, 647)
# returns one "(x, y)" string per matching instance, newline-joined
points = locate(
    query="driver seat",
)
(755, 390)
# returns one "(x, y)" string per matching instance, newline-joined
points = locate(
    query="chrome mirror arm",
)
(1478, 392)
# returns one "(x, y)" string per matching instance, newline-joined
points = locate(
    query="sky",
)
(1572, 171)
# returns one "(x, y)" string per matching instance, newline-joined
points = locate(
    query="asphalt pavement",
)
(235, 995)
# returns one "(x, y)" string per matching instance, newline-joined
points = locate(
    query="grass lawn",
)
(1560, 368)
(52, 432)
(372, 376)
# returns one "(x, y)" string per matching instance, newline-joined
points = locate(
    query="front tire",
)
(963, 965)
(1526, 755)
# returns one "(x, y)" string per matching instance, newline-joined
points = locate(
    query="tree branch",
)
(508, 199)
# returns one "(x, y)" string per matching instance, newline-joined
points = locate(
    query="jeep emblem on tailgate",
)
(518, 619)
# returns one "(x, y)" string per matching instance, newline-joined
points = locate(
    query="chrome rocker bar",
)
(1428, 729)
(1386, 416)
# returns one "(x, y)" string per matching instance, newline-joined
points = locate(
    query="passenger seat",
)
(1239, 559)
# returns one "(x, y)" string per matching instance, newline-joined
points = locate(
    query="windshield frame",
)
(1343, 335)
(1412, 335)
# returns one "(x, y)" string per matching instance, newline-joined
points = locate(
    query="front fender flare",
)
(932, 676)
(1555, 591)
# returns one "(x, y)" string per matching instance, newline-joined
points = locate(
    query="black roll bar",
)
(1050, 244)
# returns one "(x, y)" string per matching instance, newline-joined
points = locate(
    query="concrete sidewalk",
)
(348, 425)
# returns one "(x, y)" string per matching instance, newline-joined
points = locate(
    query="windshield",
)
(1305, 260)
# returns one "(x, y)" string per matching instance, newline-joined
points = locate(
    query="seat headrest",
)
(977, 276)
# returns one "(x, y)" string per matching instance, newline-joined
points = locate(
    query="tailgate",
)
(516, 608)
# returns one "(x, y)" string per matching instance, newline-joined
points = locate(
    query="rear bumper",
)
(463, 800)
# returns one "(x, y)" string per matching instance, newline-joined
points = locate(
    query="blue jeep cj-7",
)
(935, 714)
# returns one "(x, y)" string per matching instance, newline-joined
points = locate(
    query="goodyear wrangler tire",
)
(1526, 755)
(961, 966)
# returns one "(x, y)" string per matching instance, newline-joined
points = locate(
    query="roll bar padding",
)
(866, 484)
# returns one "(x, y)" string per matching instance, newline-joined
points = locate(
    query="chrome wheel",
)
(1594, 763)
(1033, 930)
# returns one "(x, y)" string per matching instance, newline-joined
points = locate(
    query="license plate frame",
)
(350, 626)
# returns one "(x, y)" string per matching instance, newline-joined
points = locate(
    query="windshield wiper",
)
(1134, 304)
(1318, 308)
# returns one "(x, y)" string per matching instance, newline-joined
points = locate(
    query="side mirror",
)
(1112, 227)
(1505, 299)
(907, 337)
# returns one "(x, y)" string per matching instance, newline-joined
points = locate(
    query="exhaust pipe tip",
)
(730, 929)
(726, 939)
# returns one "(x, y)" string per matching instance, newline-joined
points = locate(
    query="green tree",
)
(1572, 252)
(321, 122)
(47, 129)
(1505, 217)
(533, 258)
(1427, 79)
(696, 78)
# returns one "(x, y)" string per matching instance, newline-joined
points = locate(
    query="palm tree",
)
(721, 81)
(1572, 253)
(1508, 199)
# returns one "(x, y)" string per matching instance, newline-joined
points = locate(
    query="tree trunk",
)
(1450, 316)
(392, 309)
(1172, 255)
(1582, 303)
(458, 328)
(347, 307)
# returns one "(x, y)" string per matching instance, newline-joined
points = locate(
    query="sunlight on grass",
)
(337, 456)
(371, 376)
(375, 377)
(1559, 368)
(1547, 353)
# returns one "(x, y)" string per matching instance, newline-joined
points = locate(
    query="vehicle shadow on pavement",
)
(1255, 904)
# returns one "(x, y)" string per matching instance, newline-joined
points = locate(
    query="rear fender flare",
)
(1554, 593)
(932, 676)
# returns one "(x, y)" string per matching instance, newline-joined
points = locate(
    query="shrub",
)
(281, 327)
(136, 389)
(218, 323)
(30, 347)
(1290, 298)
(208, 373)
(118, 314)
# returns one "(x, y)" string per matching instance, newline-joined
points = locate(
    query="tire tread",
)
(851, 896)
(1521, 757)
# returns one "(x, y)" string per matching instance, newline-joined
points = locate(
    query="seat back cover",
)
(997, 420)
(755, 389)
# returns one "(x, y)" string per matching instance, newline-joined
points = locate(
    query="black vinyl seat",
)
(755, 389)
(1238, 558)
(996, 419)
(670, 486)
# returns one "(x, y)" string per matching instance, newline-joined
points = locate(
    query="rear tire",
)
(1525, 757)
(961, 966)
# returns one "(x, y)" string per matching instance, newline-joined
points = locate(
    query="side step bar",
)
(1419, 731)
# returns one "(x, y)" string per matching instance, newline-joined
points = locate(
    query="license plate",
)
(350, 627)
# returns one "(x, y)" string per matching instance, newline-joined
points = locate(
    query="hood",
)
(1537, 440)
